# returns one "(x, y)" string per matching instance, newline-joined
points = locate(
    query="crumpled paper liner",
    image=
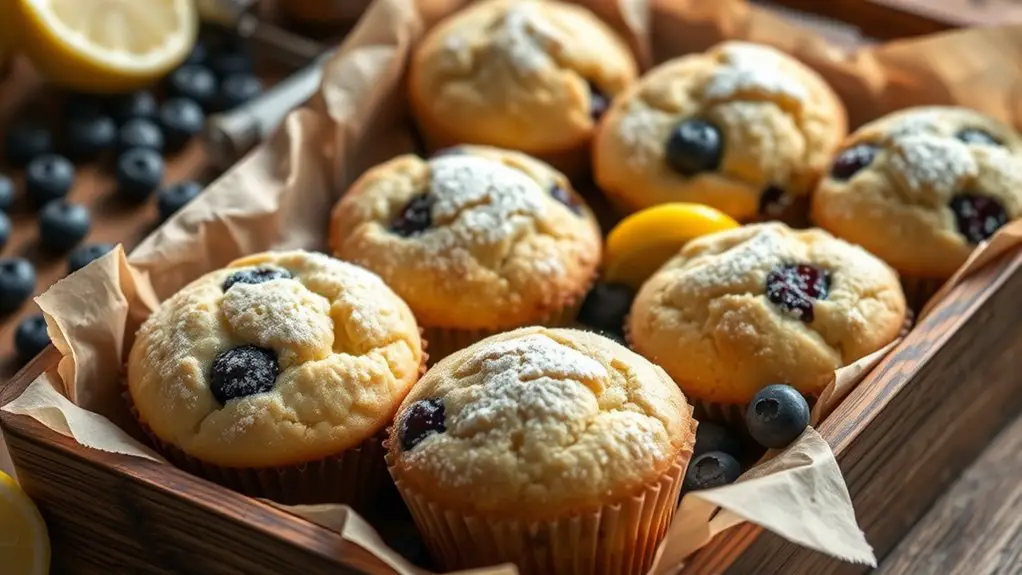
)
(281, 195)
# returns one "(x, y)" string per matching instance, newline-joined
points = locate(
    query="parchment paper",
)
(280, 197)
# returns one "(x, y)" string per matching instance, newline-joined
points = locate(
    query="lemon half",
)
(24, 542)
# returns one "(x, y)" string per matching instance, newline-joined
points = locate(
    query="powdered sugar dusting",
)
(932, 162)
(279, 314)
(736, 265)
(747, 68)
(525, 37)
(643, 131)
(1007, 165)
(915, 123)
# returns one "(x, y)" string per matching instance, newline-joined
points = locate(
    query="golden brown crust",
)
(501, 251)
(780, 124)
(898, 206)
(347, 347)
(543, 422)
(705, 316)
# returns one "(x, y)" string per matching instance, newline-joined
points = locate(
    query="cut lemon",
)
(24, 543)
(104, 45)
(645, 240)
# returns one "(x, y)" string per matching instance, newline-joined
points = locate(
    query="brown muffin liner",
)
(617, 538)
(918, 291)
(356, 476)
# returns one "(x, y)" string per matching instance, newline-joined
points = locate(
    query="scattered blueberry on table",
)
(5, 229)
(63, 225)
(172, 198)
(715, 437)
(17, 282)
(139, 173)
(237, 89)
(709, 470)
(25, 141)
(87, 137)
(181, 120)
(139, 133)
(136, 105)
(199, 53)
(195, 82)
(777, 415)
(31, 337)
(85, 255)
(6, 193)
(232, 59)
(48, 177)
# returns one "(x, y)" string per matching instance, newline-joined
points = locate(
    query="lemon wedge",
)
(24, 543)
(645, 240)
(104, 45)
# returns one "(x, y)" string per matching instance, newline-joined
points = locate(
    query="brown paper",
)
(280, 197)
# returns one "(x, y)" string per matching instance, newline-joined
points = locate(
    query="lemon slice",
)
(645, 240)
(104, 45)
(24, 543)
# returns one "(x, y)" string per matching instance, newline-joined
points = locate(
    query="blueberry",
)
(181, 119)
(140, 133)
(83, 105)
(5, 229)
(415, 218)
(977, 217)
(194, 82)
(709, 470)
(87, 137)
(172, 198)
(48, 177)
(139, 173)
(694, 146)
(795, 288)
(233, 60)
(977, 136)
(243, 371)
(17, 282)
(777, 415)
(773, 201)
(6, 193)
(423, 418)
(606, 306)
(714, 437)
(255, 276)
(199, 53)
(25, 141)
(237, 89)
(63, 225)
(85, 255)
(598, 102)
(140, 104)
(850, 161)
(567, 198)
(31, 338)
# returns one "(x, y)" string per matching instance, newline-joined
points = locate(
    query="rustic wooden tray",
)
(901, 437)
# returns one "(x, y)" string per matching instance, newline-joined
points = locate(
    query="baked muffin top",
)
(476, 238)
(922, 187)
(740, 127)
(741, 309)
(520, 74)
(277, 359)
(538, 422)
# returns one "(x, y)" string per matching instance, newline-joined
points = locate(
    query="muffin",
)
(921, 188)
(519, 74)
(477, 240)
(557, 450)
(738, 310)
(743, 128)
(276, 376)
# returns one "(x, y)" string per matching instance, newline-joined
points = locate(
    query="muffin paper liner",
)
(620, 537)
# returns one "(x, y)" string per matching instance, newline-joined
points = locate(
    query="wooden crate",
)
(900, 438)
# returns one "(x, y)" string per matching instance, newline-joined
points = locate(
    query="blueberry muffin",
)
(921, 188)
(563, 446)
(519, 74)
(743, 128)
(738, 310)
(477, 240)
(276, 375)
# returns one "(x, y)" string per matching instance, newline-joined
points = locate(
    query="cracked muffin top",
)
(520, 74)
(741, 127)
(539, 422)
(277, 359)
(474, 238)
(738, 310)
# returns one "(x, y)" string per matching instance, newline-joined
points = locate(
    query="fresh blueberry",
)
(25, 142)
(83, 105)
(63, 225)
(415, 217)
(199, 53)
(140, 133)
(850, 161)
(567, 198)
(181, 119)
(195, 82)
(777, 415)
(87, 137)
(17, 282)
(255, 276)
(774, 201)
(48, 177)
(795, 288)
(85, 255)
(977, 136)
(170, 199)
(694, 146)
(5, 229)
(714, 437)
(598, 102)
(709, 470)
(243, 371)
(977, 216)
(231, 60)
(237, 89)
(139, 173)
(606, 306)
(135, 105)
(424, 418)
(31, 338)
(6, 193)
